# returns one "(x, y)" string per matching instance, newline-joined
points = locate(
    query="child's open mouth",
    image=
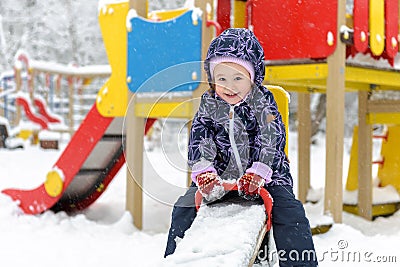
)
(231, 95)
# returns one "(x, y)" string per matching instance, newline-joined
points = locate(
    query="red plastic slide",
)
(28, 111)
(87, 165)
(39, 103)
(81, 145)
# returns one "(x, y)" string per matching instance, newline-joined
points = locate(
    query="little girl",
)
(238, 134)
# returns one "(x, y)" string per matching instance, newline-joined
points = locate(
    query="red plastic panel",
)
(36, 118)
(78, 149)
(224, 14)
(391, 27)
(41, 105)
(289, 29)
(360, 20)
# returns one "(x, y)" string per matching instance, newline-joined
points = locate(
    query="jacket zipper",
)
(232, 139)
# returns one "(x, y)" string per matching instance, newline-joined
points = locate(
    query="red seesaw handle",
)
(266, 197)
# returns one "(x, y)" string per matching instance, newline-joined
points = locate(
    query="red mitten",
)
(210, 186)
(249, 185)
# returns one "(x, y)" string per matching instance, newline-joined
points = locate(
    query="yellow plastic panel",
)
(383, 118)
(25, 134)
(377, 26)
(282, 100)
(239, 9)
(164, 110)
(352, 174)
(295, 72)
(160, 15)
(112, 99)
(389, 172)
(377, 210)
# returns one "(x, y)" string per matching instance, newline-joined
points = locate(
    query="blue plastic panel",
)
(164, 56)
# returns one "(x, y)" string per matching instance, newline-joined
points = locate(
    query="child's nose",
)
(230, 86)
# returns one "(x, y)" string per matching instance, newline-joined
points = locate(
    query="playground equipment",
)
(84, 169)
(36, 118)
(88, 163)
(52, 96)
(54, 88)
(43, 110)
(45, 120)
(214, 219)
(306, 54)
(166, 73)
(331, 74)
(388, 173)
(95, 153)
(318, 64)
(7, 138)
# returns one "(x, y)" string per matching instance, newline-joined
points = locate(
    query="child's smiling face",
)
(232, 82)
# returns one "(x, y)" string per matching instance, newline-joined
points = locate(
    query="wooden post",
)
(140, 6)
(31, 82)
(18, 86)
(304, 136)
(134, 146)
(364, 158)
(335, 124)
(206, 38)
(134, 163)
(71, 104)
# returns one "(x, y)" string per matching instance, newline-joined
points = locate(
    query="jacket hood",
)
(240, 43)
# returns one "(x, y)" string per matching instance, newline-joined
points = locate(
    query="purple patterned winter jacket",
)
(247, 137)
(258, 133)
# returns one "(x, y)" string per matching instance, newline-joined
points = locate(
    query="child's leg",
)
(183, 215)
(292, 231)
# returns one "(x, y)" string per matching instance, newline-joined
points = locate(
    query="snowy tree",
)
(165, 4)
(60, 31)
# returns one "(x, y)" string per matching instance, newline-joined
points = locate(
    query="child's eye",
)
(221, 79)
(238, 78)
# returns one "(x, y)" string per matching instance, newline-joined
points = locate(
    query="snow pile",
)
(80, 239)
(315, 215)
(58, 127)
(49, 136)
(206, 245)
(15, 142)
(58, 239)
(28, 126)
(380, 195)
(367, 60)
(102, 5)
(5, 122)
(11, 141)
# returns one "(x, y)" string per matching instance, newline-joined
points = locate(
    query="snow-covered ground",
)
(103, 235)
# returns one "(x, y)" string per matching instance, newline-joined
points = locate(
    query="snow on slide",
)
(83, 171)
(65, 169)
(222, 235)
(228, 233)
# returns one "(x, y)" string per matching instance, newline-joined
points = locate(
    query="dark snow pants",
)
(291, 228)
(183, 214)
